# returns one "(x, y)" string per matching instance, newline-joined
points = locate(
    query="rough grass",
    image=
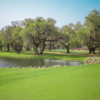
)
(54, 54)
(60, 83)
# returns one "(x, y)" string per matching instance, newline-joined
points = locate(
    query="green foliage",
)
(82, 35)
(36, 32)
(78, 26)
(66, 34)
(39, 31)
(17, 35)
(92, 22)
(6, 34)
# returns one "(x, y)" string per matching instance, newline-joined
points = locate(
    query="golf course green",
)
(60, 83)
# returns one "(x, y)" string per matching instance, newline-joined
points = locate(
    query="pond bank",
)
(35, 57)
(92, 60)
(61, 55)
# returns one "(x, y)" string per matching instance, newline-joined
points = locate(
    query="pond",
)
(15, 62)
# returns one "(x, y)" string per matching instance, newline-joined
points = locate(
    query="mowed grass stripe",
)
(61, 83)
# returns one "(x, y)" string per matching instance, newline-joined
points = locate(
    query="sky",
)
(63, 11)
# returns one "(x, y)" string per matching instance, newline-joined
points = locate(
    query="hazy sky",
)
(63, 11)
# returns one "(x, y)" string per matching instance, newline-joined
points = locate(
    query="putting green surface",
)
(60, 83)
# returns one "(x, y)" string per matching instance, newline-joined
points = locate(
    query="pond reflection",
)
(15, 62)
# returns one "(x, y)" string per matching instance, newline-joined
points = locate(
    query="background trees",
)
(89, 34)
(92, 23)
(39, 32)
(12, 36)
(17, 39)
(6, 36)
(67, 36)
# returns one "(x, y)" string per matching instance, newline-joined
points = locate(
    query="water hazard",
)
(15, 62)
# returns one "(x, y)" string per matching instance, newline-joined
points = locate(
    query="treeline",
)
(38, 32)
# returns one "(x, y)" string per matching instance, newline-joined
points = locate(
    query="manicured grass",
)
(54, 54)
(60, 83)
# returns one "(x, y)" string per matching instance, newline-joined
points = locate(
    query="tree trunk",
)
(27, 48)
(43, 48)
(17, 51)
(1, 47)
(8, 47)
(93, 49)
(17, 47)
(36, 50)
(58, 46)
(90, 51)
(50, 46)
(67, 49)
(20, 48)
(4, 47)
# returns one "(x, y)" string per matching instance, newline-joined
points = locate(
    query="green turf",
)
(60, 83)
(54, 54)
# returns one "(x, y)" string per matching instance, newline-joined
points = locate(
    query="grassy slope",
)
(61, 83)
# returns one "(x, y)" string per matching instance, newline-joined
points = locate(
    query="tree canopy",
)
(36, 32)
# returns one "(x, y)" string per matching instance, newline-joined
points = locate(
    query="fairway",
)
(60, 83)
